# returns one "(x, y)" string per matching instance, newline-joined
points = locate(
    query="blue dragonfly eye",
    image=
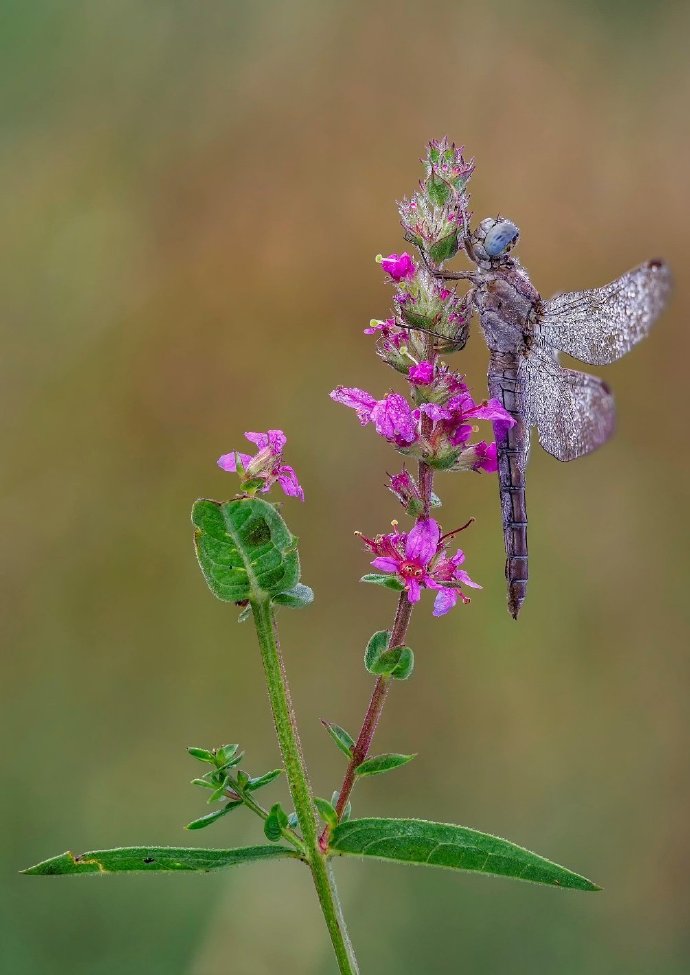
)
(500, 237)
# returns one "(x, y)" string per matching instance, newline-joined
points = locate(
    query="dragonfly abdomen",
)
(511, 447)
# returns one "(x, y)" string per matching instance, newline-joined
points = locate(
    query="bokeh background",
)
(193, 195)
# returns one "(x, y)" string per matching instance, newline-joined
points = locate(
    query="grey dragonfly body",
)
(572, 411)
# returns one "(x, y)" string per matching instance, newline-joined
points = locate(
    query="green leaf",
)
(225, 755)
(444, 249)
(234, 760)
(147, 859)
(213, 816)
(405, 665)
(276, 823)
(219, 792)
(326, 811)
(388, 582)
(379, 660)
(261, 780)
(203, 754)
(438, 190)
(444, 845)
(378, 644)
(344, 741)
(382, 763)
(245, 549)
(297, 597)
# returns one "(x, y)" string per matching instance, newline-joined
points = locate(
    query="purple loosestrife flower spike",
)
(266, 467)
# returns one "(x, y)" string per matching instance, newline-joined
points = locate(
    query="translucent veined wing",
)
(600, 325)
(573, 412)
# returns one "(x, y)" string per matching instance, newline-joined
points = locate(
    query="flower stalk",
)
(298, 782)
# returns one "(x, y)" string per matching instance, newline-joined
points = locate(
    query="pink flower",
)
(400, 267)
(421, 374)
(420, 561)
(477, 457)
(453, 422)
(392, 416)
(406, 490)
(380, 328)
(266, 467)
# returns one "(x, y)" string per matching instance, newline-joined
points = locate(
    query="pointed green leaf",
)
(226, 754)
(261, 780)
(438, 189)
(388, 582)
(344, 741)
(297, 597)
(211, 817)
(445, 845)
(326, 811)
(218, 792)
(147, 859)
(442, 250)
(382, 763)
(245, 549)
(202, 754)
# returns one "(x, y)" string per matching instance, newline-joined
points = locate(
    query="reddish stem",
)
(401, 622)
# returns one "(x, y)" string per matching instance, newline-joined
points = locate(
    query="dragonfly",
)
(572, 411)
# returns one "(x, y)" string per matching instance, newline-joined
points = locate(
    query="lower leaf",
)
(444, 845)
(147, 859)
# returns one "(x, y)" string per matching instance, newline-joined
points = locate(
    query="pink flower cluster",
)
(266, 467)
(452, 423)
(419, 560)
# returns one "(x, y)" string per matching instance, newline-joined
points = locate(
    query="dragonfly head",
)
(493, 240)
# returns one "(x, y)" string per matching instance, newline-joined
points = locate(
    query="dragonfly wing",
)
(573, 412)
(600, 325)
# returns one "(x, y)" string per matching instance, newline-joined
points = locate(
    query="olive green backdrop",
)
(193, 195)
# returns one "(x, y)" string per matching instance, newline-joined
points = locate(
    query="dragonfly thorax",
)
(492, 241)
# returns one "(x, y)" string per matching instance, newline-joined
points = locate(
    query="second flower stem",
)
(300, 789)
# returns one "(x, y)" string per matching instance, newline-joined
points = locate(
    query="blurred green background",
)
(193, 197)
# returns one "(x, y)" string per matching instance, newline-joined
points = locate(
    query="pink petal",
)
(461, 576)
(393, 420)
(493, 410)
(485, 457)
(444, 602)
(399, 266)
(289, 483)
(414, 591)
(422, 541)
(436, 412)
(277, 441)
(461, 435)
(228, 462)
(356, 399)
(422, 373)
(384, 564)
(260, 439)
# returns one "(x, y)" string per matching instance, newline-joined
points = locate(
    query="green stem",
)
(300, 789)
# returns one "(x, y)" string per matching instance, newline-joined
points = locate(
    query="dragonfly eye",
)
(502, 236)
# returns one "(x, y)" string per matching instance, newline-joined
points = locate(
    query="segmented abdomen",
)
(512, 447)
